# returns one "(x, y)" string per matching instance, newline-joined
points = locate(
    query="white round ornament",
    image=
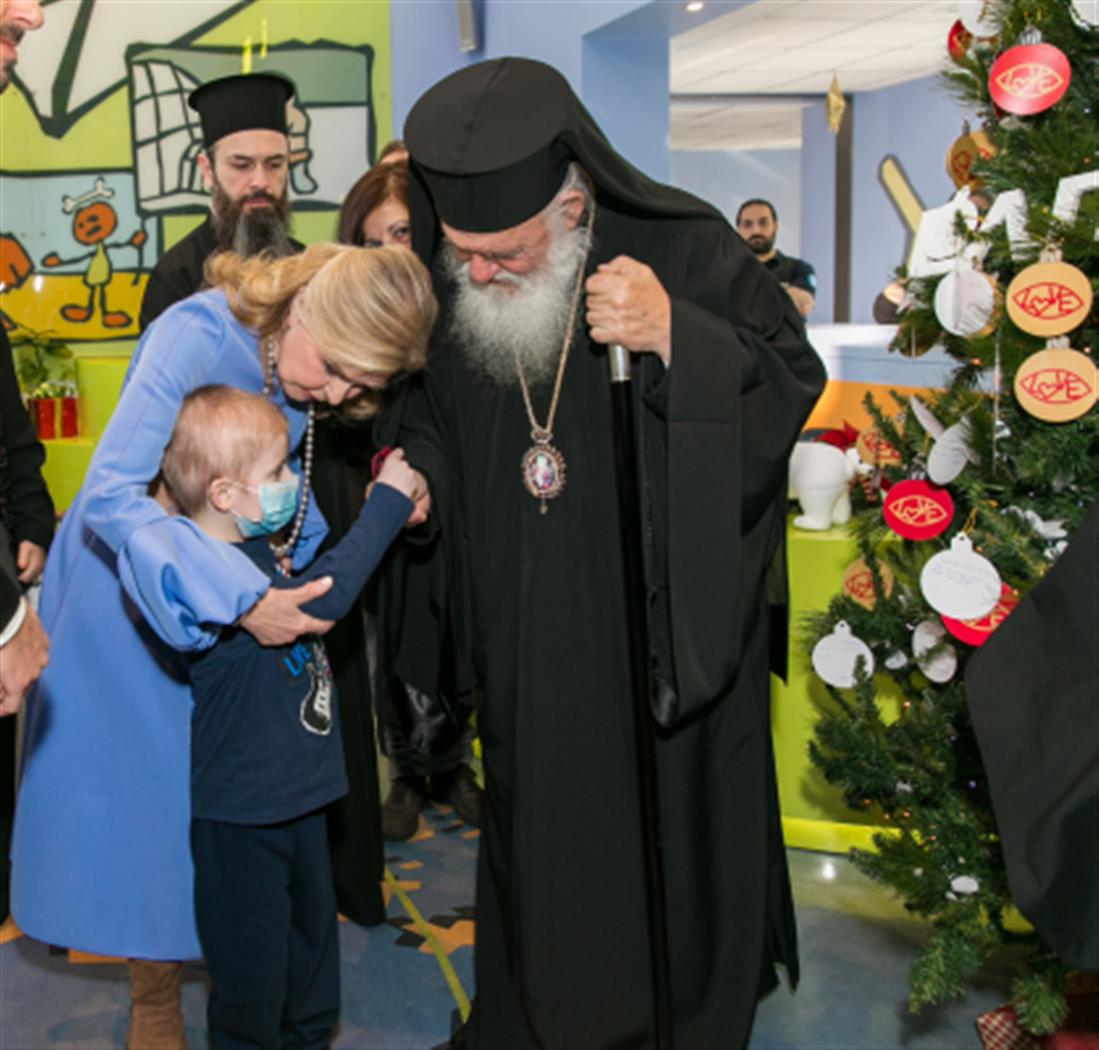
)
(950, 454)
(965, 302)
(834, 656)
(1087, 11)
(938, 666)
(976, 16)
(959, 583)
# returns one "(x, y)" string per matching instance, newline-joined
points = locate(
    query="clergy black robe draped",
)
(178, 272)
(536, 602)
(354, 822)
(1033, 695)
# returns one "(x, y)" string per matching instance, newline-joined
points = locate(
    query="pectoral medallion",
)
(543, 469)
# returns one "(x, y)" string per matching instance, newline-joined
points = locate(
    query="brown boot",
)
(156, 1022)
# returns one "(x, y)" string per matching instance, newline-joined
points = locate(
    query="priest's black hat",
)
(490, 146)
(244, 102)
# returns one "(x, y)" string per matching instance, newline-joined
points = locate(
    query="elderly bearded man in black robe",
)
(529, 217)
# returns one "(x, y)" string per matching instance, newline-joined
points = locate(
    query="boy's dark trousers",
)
(266, 913)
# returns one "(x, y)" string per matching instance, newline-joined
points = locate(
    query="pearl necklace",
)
(280, 550)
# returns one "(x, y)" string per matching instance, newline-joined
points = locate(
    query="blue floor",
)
(402, 981)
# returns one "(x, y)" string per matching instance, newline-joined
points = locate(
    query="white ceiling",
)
(794, 47)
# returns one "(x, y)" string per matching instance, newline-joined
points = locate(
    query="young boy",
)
(265, 748)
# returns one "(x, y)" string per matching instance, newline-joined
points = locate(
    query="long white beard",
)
(518, 315)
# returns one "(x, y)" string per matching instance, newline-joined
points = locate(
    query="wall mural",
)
(77, 242)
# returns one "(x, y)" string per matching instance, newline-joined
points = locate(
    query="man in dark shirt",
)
(244, 164)
(757, 223)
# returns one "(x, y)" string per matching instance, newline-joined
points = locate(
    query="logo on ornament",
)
(858, 583)
(918, 511)
(1056, 386)
(962, 165)
(977, 631)
(860, 586)
(1047, 301)
(1029, 80)
(873, 448)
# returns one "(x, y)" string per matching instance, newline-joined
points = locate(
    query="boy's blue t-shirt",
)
(265, 739)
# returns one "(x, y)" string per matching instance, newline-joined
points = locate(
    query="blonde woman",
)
(100, 852)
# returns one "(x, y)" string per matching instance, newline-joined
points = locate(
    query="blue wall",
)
(424, 41)
(727, 178)
(916, 122)
(818, 206)
(613, 52)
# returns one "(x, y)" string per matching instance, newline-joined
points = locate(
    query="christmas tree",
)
(982, 483)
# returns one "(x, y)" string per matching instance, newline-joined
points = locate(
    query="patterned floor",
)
(403, 981)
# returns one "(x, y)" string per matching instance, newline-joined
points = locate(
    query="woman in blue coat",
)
(100, 851)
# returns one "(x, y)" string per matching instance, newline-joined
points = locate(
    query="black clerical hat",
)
(486, 142)
(241, 103)
(490, 145)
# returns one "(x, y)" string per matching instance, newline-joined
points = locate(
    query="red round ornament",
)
(917, 510)
(958, 40)
(976, 632)
(1029, 78)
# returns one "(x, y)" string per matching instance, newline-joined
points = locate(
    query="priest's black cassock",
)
(1031, 690)
(537, 600)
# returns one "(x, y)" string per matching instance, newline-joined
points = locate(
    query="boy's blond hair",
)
(365, 309)
(220, 432)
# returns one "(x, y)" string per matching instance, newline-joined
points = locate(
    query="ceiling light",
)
(695, 5)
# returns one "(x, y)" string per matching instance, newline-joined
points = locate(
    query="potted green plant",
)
(46, 370)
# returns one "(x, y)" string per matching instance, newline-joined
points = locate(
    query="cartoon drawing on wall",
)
(77, 242)
(330, 116)
(77, 59)
(94, 220)
(15, 267)
(92, 246)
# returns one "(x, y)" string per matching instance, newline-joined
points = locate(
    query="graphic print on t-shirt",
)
(316, 708)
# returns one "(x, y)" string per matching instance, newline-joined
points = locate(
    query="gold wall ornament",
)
(834, 106)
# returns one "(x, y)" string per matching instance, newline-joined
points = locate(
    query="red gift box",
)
(999, 1029)
(1080, 1030)
(69, 420)
(45, 417)
(55, 417)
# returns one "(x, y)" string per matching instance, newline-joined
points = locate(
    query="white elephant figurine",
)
(819, 478)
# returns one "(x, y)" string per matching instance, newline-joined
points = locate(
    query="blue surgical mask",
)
(277, 502)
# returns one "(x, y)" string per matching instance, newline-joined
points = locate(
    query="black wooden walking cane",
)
(633, 564)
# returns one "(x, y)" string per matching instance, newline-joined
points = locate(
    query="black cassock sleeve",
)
(1032, 692)
(742, 381)
(27, 506)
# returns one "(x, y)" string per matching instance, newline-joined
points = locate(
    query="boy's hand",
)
(407, 480)
(277, 619)
(396, 472)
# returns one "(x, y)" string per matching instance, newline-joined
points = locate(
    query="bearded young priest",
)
(245, 164)
(546, 246)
